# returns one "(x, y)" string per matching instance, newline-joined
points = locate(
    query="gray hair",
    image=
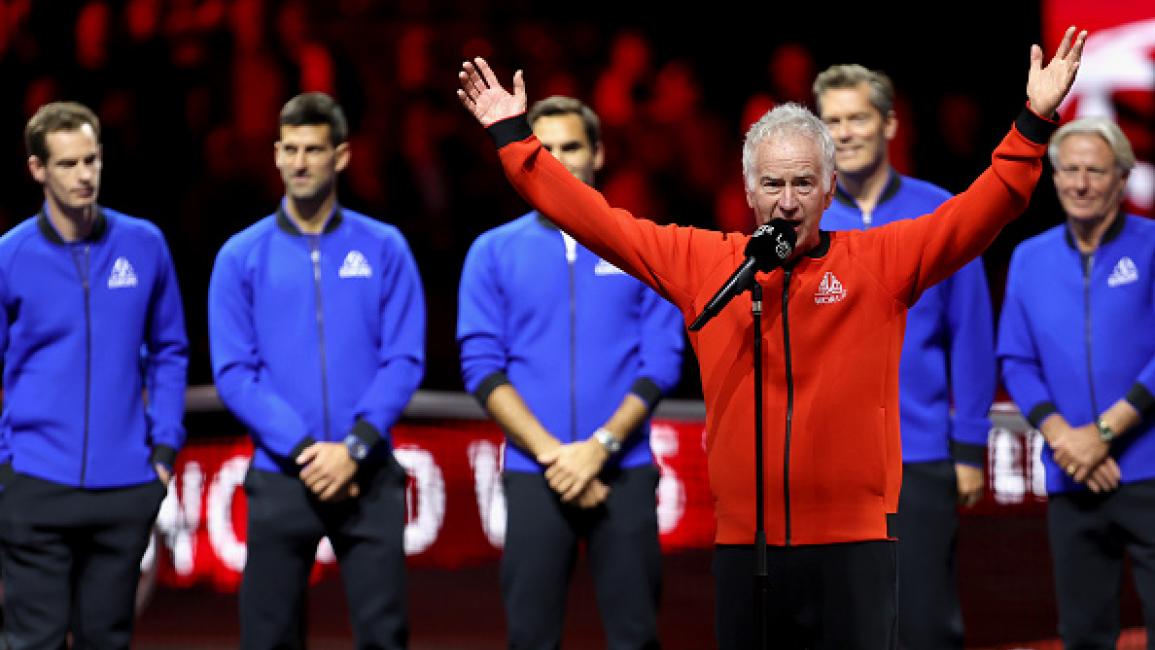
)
(850, 75)
(788, 120)
(1102, 127)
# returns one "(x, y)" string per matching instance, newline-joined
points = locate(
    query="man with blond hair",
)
(947, 374)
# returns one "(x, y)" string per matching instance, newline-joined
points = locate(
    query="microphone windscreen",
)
(771, 244)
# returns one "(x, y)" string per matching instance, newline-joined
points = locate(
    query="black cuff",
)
(1040, 413)
(1034, 127)
(509, 130)
(969, 454)
(1141, 399)
(648, 391)
(366, 433)
(164, 455)
(305, 443)
(487, 386)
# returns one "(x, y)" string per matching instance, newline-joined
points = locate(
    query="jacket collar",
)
(820, 249)
(1111, 233)
(99, 227)
(285, 223)
(893, 184)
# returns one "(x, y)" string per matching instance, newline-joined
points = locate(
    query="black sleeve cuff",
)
(305, 443)
(1034, 127)
(366, 433)
(487, 386)
(1040, 413)
(1141, 399)
(509, 130)
(968, 454)
(163, 455)
(648, 391)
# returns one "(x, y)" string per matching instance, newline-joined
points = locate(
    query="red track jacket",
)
(832, 335)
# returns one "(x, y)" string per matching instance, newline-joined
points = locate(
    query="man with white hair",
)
(1078, 357)
(832, 341)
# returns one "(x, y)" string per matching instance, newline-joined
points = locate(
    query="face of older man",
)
(788, 184)
(1089, 183)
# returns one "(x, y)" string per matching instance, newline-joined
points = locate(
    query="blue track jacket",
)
(86, 329)
(571, 332)
(314, 337)
(949, 348)
(1078, 333)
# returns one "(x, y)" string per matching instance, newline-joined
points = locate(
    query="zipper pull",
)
(570, 247)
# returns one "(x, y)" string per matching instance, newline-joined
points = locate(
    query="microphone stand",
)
(761, 574)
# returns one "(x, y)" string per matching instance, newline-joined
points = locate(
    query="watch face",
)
(357, 449)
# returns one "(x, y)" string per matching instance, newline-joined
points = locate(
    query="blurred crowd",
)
(189, 90)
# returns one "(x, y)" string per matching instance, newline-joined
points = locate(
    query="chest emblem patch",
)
(830, 290)
(355, 266)
(123, 275)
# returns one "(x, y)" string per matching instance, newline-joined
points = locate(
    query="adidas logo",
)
(355, 266)
(123, 275)
(605, 268)
(829, 290)
(1125, 272)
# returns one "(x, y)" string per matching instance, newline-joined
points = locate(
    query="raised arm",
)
(670, 259)
(914, 254)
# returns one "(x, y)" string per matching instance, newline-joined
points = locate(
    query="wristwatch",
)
(1106, 433)
(608, 440)
(358, 448)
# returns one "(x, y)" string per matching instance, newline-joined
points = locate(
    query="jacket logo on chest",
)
(1125, 272)
(605, 268)
(355, 266)
(123, 275)
(830, 290)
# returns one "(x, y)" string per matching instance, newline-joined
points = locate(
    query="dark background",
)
(189, 92)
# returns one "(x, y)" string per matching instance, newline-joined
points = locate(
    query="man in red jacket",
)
(832, 343)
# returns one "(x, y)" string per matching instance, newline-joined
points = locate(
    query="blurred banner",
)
(1116, 78)
(456, 503)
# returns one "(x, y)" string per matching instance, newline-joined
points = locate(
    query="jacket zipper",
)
(315, 256)
(789, 397)
(571, 260)
(1089, 262)
(82, 271)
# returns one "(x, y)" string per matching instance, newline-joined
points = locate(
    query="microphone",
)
(768, 247)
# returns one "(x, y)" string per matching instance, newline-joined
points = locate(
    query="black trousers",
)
(71, 561)
(823, 597)
(541, 544)
(1089, 534)
(929, 614)
(286, 522)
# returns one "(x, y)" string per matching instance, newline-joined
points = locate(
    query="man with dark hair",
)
(570, 355)
(1078, 356)
(95, 356)
(832, 343)
(948, 358)
(317, 327)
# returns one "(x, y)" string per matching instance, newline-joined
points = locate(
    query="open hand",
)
(483, 96)
(1046, 87)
